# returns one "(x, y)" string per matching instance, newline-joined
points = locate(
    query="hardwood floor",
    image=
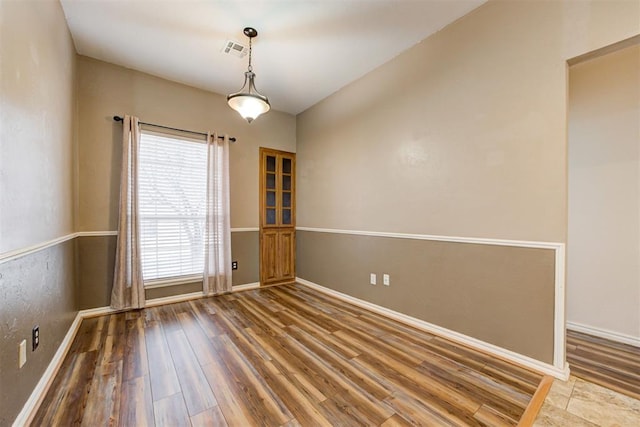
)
(610, 364)
(279, 356)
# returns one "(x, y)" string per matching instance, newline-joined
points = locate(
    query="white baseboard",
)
(29, 409)
(604, 333)
(485, 347)
(95, 312)
(246, 287)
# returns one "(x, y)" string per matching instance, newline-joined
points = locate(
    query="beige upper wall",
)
(36, 117)
(105, 90)
(603, 268)
(464, 134)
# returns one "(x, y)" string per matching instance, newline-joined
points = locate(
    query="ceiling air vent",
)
(234, 48)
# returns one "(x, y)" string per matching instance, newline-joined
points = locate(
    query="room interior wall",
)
(105, 90)
(462, 135)
(37, 69)
(603, 247)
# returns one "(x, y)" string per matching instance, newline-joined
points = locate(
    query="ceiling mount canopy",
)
(248, 101)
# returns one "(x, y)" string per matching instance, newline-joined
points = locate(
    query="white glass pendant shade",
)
(248, 102)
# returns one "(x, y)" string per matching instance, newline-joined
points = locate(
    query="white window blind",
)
(172, 203)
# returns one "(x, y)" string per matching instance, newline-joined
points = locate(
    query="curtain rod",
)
(119, 119)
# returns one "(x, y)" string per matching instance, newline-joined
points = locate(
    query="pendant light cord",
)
(250, 67)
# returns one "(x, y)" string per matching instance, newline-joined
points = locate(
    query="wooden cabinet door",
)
(269, 256)
(277, 260)
(287, 254)
(277, 216)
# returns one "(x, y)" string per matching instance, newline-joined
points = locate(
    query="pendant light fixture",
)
(248, 102)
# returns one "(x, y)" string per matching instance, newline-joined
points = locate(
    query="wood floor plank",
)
(510, 401)
(167, 316)
(290, 357)
(209, 418)
(195, 388)
(422, 412)
(422, 389)
(282, 356)
(202, 316)
(337, 362)
(407, 374)
(263, 402)
(395, 421)
(395, 328)
(136, 403)
(171, 411)
(135, 350)
(228, 400)
(57, 391)
(303, 405)
(87, 330)
(292, 319)
(492, 417)
(608, 363)
(162, 373)
(104, 407)
(302, 408)
(198, 339)
(73, 401)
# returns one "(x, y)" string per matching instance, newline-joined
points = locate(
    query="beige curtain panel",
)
(217, 239)
(128, 287)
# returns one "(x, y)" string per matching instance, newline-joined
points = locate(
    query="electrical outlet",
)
(35, 337)
(234, 265)
(373, 279)
(385, 280)
(22, 353)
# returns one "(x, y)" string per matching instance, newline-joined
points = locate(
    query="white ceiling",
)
(305, 50)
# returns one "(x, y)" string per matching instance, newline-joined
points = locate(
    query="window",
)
(172, 202)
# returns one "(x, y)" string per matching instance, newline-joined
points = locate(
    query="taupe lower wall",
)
(170, 291)
(245, 249)
(502, 295)
(36, 289)
(95, 261)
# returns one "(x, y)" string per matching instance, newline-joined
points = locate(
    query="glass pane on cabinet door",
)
(271, 198)
(286, 216)
(271, 181)
(286, 200)
(271, 216)
(271, 164)
(286, 182)
(286, 165)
